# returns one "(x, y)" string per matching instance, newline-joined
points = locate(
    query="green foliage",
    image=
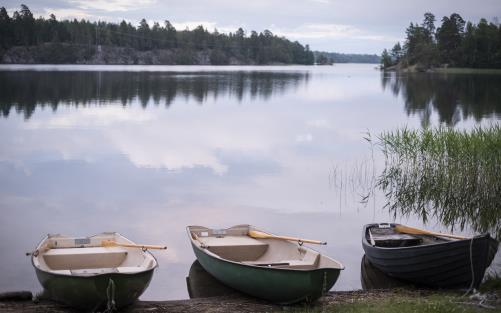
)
(348, 58)
(386, 60)
(399, 303)
(450, 174)
(323, 59)
(454, 43)
(263, 48)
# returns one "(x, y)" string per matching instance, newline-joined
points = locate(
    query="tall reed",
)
(453, 175)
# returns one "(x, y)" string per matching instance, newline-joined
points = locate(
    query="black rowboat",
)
(428, 260)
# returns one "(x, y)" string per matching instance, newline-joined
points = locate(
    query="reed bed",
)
(453, 175)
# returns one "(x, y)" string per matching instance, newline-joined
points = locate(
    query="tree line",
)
(23, 29)
(454, 43)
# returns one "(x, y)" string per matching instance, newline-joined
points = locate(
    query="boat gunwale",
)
(365, 242)
(87, 276)
(213, 255)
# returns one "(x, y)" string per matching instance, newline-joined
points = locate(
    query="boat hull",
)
(282, 286)
(90, 293)
(442, 265)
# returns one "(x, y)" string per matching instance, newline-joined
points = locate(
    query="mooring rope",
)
(110, 296)
(472, 269)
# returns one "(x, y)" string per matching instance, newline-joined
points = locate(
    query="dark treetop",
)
(454, 43)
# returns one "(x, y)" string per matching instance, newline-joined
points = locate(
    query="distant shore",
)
(444, 70)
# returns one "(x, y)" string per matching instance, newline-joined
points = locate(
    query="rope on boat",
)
(472, 269)
(110, 296)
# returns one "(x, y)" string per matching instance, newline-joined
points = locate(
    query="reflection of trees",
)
(25, 90)
(453, 97)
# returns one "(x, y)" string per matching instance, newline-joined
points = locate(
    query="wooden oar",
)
(417, 231)
(261, 235)
(111, 243)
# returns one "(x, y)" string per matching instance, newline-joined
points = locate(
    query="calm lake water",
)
(148, 150)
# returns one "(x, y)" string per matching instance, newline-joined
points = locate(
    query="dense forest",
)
(72, 41)
(455, 43)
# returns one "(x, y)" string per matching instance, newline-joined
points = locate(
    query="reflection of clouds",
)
(304, 138)
(176, 142)
(92, 117)
(319, 123)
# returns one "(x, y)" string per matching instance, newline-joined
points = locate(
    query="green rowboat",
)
(84, 274)
(277, 270)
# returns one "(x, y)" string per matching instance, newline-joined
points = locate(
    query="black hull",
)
(373, 278)
(442, 265)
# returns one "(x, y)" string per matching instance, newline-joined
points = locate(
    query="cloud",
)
(194, 24)
(331, 31)
(319, 123)
(304, 138)
(210, 26)
(67, 13)
(112, 5)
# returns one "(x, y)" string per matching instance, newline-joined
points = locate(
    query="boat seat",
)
(235, 248)
(104, 270)
(309, 262)
(94, 271)
(84, 258)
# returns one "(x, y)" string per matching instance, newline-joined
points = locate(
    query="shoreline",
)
(335, 301)
(441, 70)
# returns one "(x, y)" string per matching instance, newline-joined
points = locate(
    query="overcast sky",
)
(353, 26)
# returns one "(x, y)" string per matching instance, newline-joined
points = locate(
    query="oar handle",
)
(261, 235)
(317, 242)
(155, 247)
(417, 231)
(129, 245)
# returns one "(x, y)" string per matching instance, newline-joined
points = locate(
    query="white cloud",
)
(210, 26)
(91, 117)
(304, 138)
(194, 24)
(67, 13)
(112, 5)
(331, 31)
(319, 123)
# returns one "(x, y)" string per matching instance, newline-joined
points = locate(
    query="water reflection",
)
(453, 97)
(201, 284)
(259, 150)
(373, 278)
(25, 90)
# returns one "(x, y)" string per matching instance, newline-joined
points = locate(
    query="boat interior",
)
(384, 235)
(234, 244)
(87, 257)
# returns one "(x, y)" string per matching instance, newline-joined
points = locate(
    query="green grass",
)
(491, 283)
(404, 304)
(453, 175)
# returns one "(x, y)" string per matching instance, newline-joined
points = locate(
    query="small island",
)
(454, 44)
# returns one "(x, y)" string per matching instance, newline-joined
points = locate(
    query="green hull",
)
(284, 286)
(90, 293)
